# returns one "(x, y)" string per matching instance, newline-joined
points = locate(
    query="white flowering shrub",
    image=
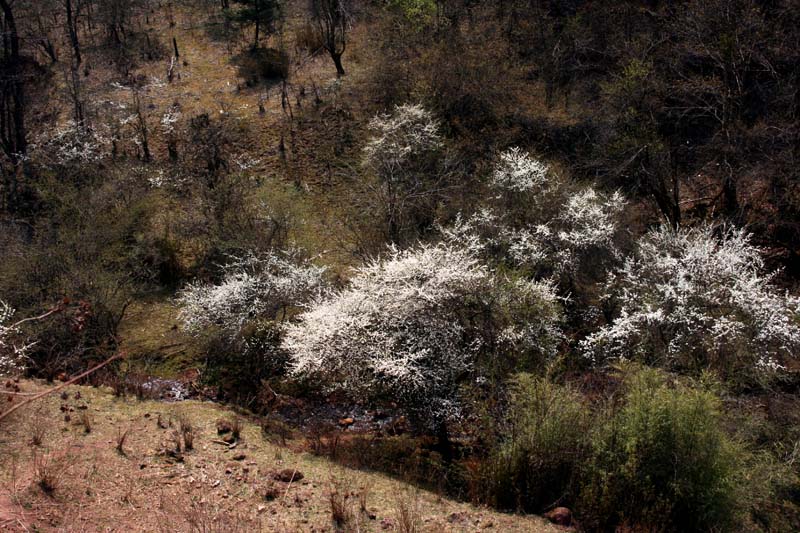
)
(405, 329)
(13, 349)
(252, 287)
(543, 223)
(517, 171)
(589, 218)
(397, 138)
(71, 144)
(403, 160)
(697, 298)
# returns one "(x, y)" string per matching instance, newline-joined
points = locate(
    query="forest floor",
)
(75, 478)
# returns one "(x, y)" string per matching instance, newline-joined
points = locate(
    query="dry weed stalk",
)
(407, 512)
(122, 436)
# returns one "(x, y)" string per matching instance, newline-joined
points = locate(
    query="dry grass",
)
(38, 428)
(85, 420)
(343, 514)
(236, 428)
(122, 436)
(50, 469)
(92, 487)
(407, 512)
(187, 431)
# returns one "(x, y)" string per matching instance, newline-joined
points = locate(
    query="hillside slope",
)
(213, 487)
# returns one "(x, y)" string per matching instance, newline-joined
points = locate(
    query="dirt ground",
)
(74, 480)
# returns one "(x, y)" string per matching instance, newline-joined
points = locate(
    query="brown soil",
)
(209, 488)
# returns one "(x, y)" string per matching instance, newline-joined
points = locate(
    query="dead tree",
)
(332, 18)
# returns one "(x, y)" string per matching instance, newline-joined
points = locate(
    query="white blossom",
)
(540, 221)
(251, 287)
(409, 131)
(169, 119)
(399, 329)
(516, 171)
(698, 297)
(589, 218)
(72, 143)
(13, 349)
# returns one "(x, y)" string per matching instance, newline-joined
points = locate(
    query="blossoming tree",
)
(13, 348)
(251, 287)
(691, 299)
(410, 328)
(540, 221)
(402, 157)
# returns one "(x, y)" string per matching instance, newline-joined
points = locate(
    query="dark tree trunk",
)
(16, 142)
(72, 29)
(12, 106)
(337, 60)
(443, 444)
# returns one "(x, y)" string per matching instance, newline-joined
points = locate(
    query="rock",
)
(346, 422)
(175, 455)
(287, 475)
(239, 457)
(271, 493)
(560, 515)
(65, 396)
(457, 517)
(230, 439)
(224, 426)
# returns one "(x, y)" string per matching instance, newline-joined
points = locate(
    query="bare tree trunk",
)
(337, 60)
(72, 29)
(12, 105)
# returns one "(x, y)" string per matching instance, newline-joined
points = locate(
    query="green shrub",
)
(535, 467)
(241, 366)
(664, 462)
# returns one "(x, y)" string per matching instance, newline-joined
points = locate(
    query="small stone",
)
(239, 457)
(346, 422)
(288, 475)
(560, 515)
(224, 426)
(457, 517)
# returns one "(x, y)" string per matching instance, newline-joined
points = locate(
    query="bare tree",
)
(72, 12)
(333, 19)
(13, 140)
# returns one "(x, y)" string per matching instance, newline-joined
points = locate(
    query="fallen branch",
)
(65, 384)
